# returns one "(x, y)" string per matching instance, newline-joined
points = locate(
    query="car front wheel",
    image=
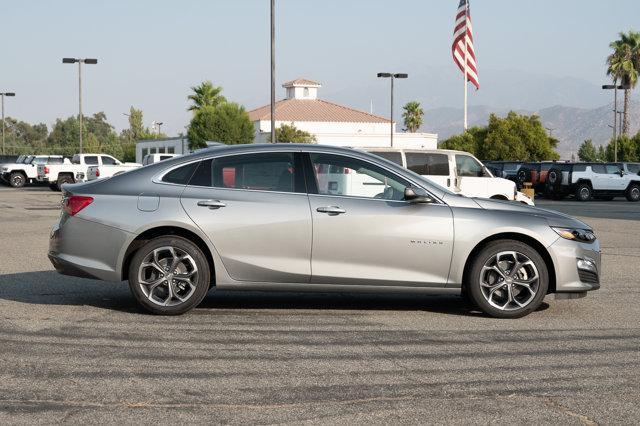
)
(169, 276)
(633, 193)
(17, 180)
(508, 279)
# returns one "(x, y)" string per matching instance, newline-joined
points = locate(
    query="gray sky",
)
(151, 51)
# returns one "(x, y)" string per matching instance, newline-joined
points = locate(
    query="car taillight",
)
(97, 172)
(46, 170)
(72, 205)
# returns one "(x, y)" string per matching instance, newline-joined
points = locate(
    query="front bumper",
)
(83, 248)
(577, 265)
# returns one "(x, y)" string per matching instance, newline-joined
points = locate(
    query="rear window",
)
(180, 175)
(394, 157)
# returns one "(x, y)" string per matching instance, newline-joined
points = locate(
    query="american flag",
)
(463, 39)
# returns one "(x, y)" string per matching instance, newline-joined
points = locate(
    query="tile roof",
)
(314, 110)
(301, 82)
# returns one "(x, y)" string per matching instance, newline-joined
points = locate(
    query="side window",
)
(270, 171)
(633, 168)
(417, 163)
(40, 160)
(612, 169)
(598, 168)
(180, 175)
(580, 168)
(56, 160)
(468, 166)
(91, 160)
(108, 161)
(394, 157)
(438, 164)
(351, 177)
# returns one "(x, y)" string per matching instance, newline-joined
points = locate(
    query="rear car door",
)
(365, 239)
(254, 209)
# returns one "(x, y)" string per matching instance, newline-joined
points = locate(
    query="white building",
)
(332, 124)
(179, 145)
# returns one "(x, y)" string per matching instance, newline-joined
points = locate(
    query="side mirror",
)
(621, 172)
(417, 195)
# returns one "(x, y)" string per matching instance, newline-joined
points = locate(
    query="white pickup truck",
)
(25, 169)
(109, 168)
(57, 175)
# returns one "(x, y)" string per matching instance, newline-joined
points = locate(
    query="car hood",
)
(11, 165)
(553, 217)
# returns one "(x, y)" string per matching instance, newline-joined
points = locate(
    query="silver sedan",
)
(288, 217)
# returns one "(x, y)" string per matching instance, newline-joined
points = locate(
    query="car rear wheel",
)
(17, 180)
(633, 192)
(584, 192)
(169, 276)
(508, 279)
(54, 187)
(64, 180)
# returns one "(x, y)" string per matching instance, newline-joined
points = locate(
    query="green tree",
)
(602, 153)
(228, 123)
(623, 65)
(98, 136)
(291, 134)
(412, 116)
(469, 141)
(627, 149)
(205, 95)
(587, 151)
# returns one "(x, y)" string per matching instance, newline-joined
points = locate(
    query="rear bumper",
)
(82, 248)
(577, 266)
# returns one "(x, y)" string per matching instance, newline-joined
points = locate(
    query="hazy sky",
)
(151, 52)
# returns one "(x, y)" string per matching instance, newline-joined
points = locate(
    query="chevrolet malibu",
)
(284, 217)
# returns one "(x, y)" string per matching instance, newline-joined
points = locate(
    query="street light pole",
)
(615, 88)
(80, 61)
(159, 123)
(2, 95)
(273, 72)
(392, 76)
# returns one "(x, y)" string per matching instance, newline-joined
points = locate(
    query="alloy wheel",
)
(168, 276)
(509, 280)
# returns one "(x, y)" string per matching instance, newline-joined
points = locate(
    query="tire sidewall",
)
(581, 187)
(629, 192)
(204, 275)
(21, 180)
(473, 284)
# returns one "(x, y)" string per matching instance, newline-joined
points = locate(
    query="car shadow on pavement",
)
(51, 288)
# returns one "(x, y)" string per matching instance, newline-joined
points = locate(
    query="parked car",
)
(57, 175)
(110, 167)
(177, 228)
(457, 171)
(154, 158)
(20, 174)
(504, 169)
(593, 180)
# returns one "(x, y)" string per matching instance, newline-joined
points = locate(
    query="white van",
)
(457, 171)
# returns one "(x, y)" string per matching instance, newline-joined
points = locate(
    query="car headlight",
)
(581, 235)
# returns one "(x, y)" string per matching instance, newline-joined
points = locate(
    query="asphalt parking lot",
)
(80, 351)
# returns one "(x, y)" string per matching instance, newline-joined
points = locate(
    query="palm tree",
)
(624, 66)
(204, 95)
(412, 116)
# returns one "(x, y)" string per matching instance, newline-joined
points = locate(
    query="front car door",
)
(366, 238)
(254, 209)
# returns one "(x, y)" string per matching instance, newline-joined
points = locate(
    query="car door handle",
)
(331, 210)
(212, 204)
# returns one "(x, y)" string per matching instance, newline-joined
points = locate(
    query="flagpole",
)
(466, 17)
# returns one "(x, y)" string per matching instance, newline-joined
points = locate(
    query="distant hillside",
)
(571, 126)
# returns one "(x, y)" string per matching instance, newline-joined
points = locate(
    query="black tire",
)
(584, 192)
(554, 181)
(54, 187)
(64, 179)
(202, 280)
(17, 180)
(633, 193)
(489, 252)
(523, 175)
